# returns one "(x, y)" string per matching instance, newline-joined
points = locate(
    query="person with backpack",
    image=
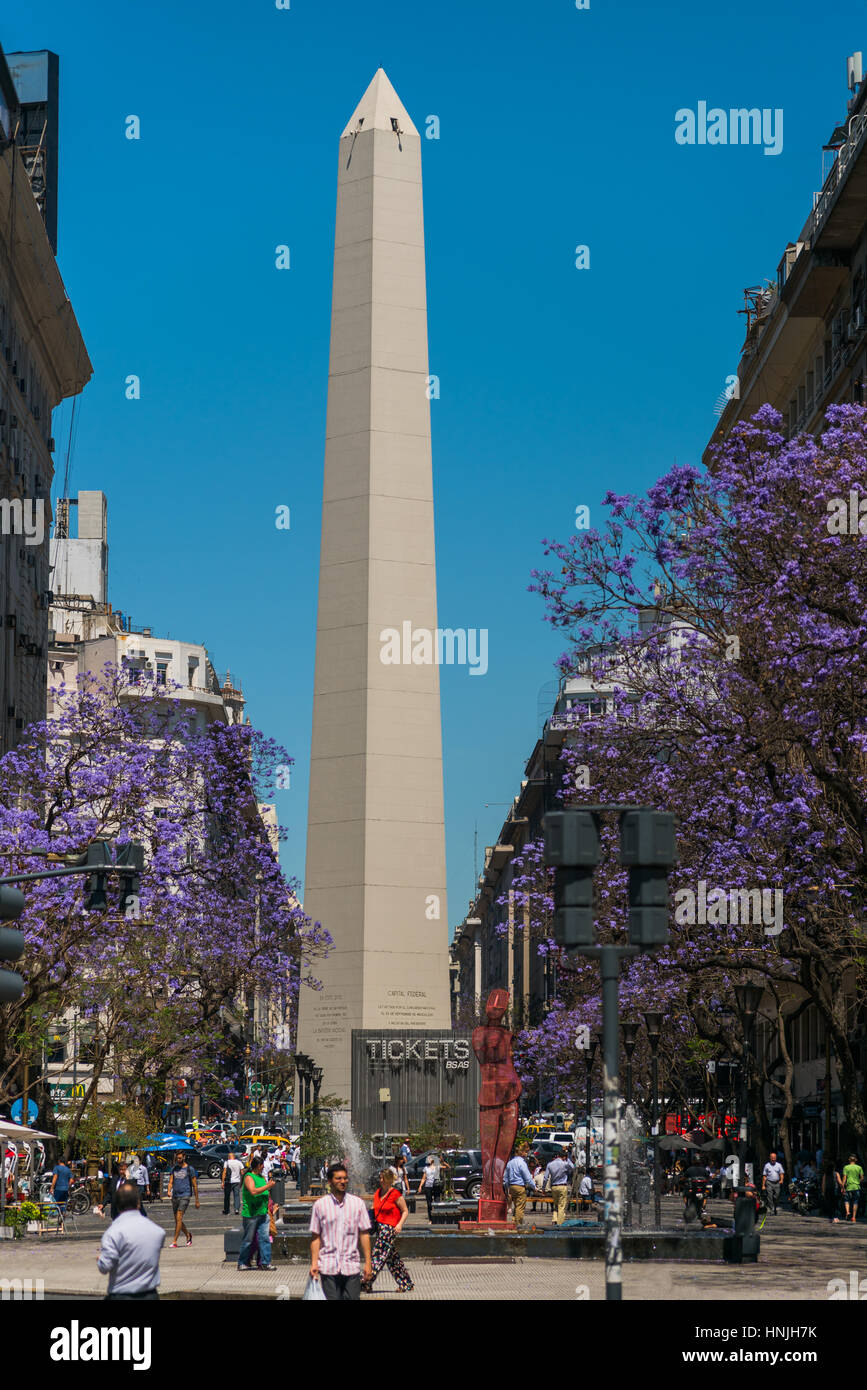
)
(390, 1214)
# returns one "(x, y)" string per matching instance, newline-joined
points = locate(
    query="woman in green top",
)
(853, 1176)
(254, 1213)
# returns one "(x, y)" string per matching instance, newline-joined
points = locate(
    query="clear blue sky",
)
(557, 128)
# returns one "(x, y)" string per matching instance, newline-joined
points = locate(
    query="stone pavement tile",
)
(799, 1256)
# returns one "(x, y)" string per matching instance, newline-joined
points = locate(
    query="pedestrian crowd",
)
(350, 1244)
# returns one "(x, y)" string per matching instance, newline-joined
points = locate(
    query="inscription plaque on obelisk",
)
(375, 873)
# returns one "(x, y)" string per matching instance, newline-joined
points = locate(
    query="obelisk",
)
(376, 875)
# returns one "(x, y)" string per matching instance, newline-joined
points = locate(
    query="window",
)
(162, 668)
(88, 1047)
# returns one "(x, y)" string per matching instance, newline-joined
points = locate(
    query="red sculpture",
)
(498, 1104)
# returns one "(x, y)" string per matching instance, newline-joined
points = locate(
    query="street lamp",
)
(629, 1034)
(653, 1024)
(748, 997)
(304, 1068)
(630, 1038)
(595, 1043)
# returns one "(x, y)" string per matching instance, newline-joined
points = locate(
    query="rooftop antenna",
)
(853, 71)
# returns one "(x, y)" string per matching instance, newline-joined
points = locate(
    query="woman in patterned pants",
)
(390, 1212)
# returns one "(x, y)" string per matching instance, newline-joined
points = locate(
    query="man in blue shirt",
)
(558, 1176)
(518, 1181)
(405, 1150)
(60, 1180)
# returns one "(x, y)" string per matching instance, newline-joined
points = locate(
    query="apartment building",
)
(806, 327)
(43, 361)
(806, 349)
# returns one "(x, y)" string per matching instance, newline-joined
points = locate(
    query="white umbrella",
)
(13, 1131)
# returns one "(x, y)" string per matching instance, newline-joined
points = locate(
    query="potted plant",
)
(19, 1219)
(31, 1216)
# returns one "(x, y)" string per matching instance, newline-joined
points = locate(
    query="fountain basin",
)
(585, 1243)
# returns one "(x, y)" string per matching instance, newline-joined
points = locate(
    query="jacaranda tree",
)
(726, 612)
(215, 925)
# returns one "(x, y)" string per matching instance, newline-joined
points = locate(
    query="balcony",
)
(838, 215)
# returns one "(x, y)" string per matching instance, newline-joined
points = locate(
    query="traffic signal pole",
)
(98, 860)
(572, 848)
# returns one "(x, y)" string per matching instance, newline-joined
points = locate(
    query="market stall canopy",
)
(164, 1143)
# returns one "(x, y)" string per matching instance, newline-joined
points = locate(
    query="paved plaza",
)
(799, 1256)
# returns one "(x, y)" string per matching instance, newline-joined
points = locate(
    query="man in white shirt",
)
(586, 1192)
(138, 1173)
(129, 1252)
(772, 1180)
(233, 1171)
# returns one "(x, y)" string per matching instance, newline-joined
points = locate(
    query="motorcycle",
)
(695, 1199)
(804, 1195)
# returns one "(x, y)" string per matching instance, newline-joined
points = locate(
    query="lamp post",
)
(653, 1024)
(316, 1075)
(748, 997)
(629, 1032)
(303, 1066)
(591, 1053)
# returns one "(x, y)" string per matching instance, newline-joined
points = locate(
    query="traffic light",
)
(572, 848)
(648, 848)
(11, 944)
(129, 862)
(99, 855)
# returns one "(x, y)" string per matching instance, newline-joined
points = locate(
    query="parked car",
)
(465, 1166)
(544, 1150)
(560, 1136)
(210, 1159)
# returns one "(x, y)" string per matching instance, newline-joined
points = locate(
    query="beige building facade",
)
(376, 875)
(43, 360)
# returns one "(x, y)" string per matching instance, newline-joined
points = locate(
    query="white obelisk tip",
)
(379, 106)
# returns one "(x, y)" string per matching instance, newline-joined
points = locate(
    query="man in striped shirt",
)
(339, 1224)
